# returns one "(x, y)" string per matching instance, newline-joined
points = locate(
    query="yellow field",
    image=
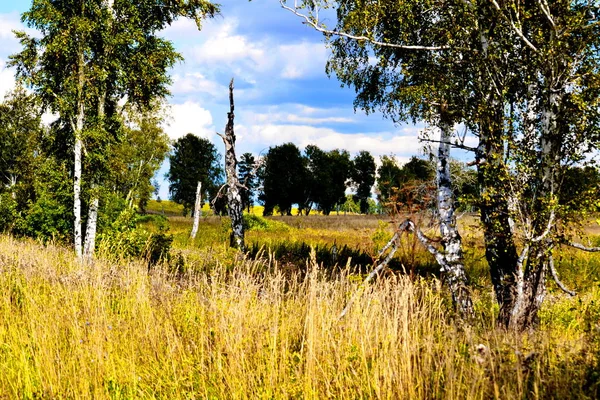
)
(264, 327)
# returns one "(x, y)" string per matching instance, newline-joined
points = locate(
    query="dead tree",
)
(235, 206)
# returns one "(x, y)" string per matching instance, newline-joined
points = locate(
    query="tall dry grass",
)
(247, 331)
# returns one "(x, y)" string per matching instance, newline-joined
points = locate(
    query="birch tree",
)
(414, 61)
(522, 76)
(84, 63)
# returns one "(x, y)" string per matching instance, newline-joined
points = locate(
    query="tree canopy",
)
(193, 159)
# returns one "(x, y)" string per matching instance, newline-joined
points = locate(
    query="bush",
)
(257, 223)
(125, 239)
(8, 212)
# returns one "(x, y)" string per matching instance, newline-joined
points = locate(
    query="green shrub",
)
(125, 239)
(258, 223)
(50, 215)
(8, 212)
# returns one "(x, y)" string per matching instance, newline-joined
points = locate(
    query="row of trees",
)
(312, 179)
(316, 178)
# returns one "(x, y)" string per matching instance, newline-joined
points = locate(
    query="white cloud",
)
(329, 139)
(189, 117)
(222, 47)
(301, 60)
(196, 83)
(227, 47)
(7, 79)
(9, 23)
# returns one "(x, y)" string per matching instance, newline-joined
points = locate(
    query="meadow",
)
(210, 323)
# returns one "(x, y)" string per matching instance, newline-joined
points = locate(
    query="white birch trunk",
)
(197, 210)
(90, 234)
(77, 150)
(92, 220)
(453, 263)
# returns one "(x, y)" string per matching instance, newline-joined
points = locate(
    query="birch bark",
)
(453, 260)
(77, 152)
(197, 210)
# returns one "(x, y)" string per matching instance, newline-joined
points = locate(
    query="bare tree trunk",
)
(453, 269)
(197, 210)
(235, 206)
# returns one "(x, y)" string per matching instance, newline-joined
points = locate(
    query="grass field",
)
(267, 326)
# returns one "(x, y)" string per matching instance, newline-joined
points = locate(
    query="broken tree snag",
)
(234, 196)
(197, 210)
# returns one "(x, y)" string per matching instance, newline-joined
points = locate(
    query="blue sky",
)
(282, 91)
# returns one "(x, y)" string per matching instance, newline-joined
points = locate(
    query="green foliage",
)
(193, 160)
(8, 212)
(327, 176)
(381, 236)
(20, 129)
(284, 179)
(257, 223)
(388, 176)
(125, 240)
(363, 171)
(248, 178)
(136, 158)
(49, 214)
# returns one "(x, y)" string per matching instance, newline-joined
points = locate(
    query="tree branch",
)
(582, 247)
(315, 25)
(555, 276)
(517, 30)
(456, 145)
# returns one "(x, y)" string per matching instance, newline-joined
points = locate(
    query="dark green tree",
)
(363, 171)
(193, 159)
(328, 174)
(284, 179)
(247, 172)
(388, 178)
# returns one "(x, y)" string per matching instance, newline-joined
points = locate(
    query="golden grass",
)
(246, 330)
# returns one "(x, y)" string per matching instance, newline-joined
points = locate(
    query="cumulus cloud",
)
(8, 24)
(189, 117)
(196, 83)
(329, 139)
(221, 46)
(7, 79)
(301, 60)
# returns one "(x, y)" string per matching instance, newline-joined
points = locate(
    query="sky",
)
(282, 93)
